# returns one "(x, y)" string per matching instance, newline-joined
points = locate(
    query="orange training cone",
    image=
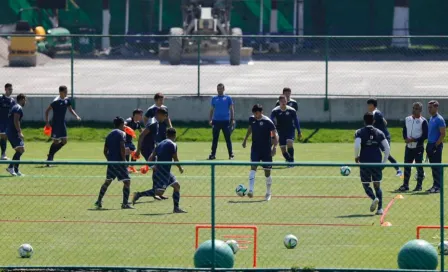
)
(47, 130)
(129, 131)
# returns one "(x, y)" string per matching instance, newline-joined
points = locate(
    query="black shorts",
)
(369, 174)
(58, 132)
(257, 156)
(160, 181)
(117, 171)
(15, 141)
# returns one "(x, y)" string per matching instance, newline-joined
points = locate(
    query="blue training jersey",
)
(151, 111)
(6, 104)
(164, 152)
(157, 133)
(134, 126)
(285, 120)
(16, 109)
(435, 124)
(59, 107)
(261, 133)
(371, 139)
(379, 123)
(221, 105)
(292, 103)
(114, 142)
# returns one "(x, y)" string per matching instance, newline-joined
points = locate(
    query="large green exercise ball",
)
(418, 254)
(203, 257)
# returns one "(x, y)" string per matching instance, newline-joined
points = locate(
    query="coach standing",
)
(436, 134)
(221, 117)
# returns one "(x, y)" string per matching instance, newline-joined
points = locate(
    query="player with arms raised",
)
(286, 120)
(369, 142)
(6, 103)
(114, 150)
(166, 151)
(59, 107)
(264, 145)
(15, 135)
(134, 123)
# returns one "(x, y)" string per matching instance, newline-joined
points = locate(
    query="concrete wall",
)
(197, 108)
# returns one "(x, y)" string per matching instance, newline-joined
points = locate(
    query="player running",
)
(369, 142)
(264, 145)
(114, 150)
(6, 103)
(289, 101)
(381, 124)
(59, 107)
(286, 120)
(135, 123)
(166, 151)
(15, 135)
(151, 111)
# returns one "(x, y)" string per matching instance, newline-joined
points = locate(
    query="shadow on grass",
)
(44, 166)
(183, 133)
(421, 193)
(306, 140)
(154, 214)
(245, 202)
(355, 216)
(102, 210)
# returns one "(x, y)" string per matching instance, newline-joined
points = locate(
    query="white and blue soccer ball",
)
(345, 171)
(233, 245)
(290, 241)
(241, 190)
(445, 248)
(26, 251)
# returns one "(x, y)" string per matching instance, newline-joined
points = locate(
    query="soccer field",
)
(52, 209)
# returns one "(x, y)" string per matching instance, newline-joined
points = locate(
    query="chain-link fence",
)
(71, 217)
(311, 66)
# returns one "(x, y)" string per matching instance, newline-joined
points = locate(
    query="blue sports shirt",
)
(261, 133)
(371, 139)
(6, 104)
(164, 152)
(435, 123)
(11, 130)
(286, 121)
(221, 104)
(59, 107)
(380, 124)
(114, 141)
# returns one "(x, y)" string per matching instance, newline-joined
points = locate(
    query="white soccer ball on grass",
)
(290, 241)
(445, 248)
(345, 171)
(241, 190)
(233, 245)
(25, 251)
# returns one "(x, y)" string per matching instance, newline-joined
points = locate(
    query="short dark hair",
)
(20, 97)
(257, 108)
(162, 111)
(118, 121)
(372, 101)
(420, 105)
(435, 103)
(171, 132)
(368, 118)
(8, 85)
(62, 88)
(137, 111)
(286, 89)
(281, 96)
(158, 96)
(220, 85)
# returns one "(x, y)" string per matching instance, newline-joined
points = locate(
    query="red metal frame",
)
(427, 227)
(248, 227)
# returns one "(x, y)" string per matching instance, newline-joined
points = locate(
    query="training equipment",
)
(445, 248)
(418, 254)
(241, 190)
(435, 231)
(25, 251)
(345, 171)
(242, 240)
(47, 131)
(210, 18)
(290, 241)
(203, 257)
(233, 245)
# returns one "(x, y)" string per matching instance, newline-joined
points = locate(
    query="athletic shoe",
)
(379, 212)
(11, 171)
(250, 194)
(178, 210)
(135, 197)
(231, 157)
(399, 173)
(98, 205)
(3, 158)
(18, 173)
(417, 189)
(433, 190)
(127, 207)
(267, 197)
(374, 204)
(211, 157)
(131, 169)
(402, 189)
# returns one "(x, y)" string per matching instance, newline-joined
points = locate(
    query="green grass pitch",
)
(52, 208)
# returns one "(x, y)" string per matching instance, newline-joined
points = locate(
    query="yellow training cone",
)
(399, 197)
(386, 224)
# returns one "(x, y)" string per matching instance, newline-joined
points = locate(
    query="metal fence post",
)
(213, 215)
(199, 68)
(442, 219)
(326, 103)
(72, 81)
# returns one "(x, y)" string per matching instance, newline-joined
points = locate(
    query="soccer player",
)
(286, 121)
(434, 147)
(166, 151)
(153, 133)
(134, 123)
(369, 142)
(151, 111)
(6, 102)
(290, 102)
(264, 146)
(381, 124)
(114, 150)
(415, 132)
(221, 117)
(59, 107)
(15, 135)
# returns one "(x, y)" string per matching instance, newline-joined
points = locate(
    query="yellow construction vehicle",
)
(22, 48)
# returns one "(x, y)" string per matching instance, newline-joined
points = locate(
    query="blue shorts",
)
(3, 126)
(284, 136)
(160, 181)
(256, 156)
(117, 171)
(369, 174)
(58, 132)
(15, 141)
(130, 145)
(146, 152)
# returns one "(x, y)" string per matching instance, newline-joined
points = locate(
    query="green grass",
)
(52, 208)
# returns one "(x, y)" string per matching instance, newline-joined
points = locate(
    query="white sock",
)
(251, 180)
(268, 184)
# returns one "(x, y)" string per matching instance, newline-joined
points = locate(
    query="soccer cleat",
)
(399, 173)
(18, 173)
(211, 157)
(417, 189)
(135, 197)
(131, 169)
(127, 207)
(250, 194)
(98, 205)
(3, 158)
(231, 157)
(379, 212)
(11, 171)
(433, 190)
(374, 204)
(156, 197)
(267, 197)
(178, 210)
(402, 189)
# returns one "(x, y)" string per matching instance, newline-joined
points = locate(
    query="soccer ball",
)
(241, 190)
(290, 241)
(233, 245)
(345, 171)
(26, 251)
(445, 248)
